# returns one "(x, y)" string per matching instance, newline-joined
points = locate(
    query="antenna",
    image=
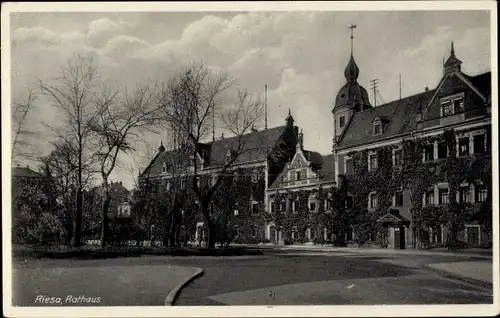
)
(399, 86)
(265, 105)
(374, 86)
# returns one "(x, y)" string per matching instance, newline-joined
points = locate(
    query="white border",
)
(243, 311)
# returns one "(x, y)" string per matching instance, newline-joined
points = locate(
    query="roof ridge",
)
(396, 100)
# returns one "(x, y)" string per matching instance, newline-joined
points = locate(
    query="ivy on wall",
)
(417, 177)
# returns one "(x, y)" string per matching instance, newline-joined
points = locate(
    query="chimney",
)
(28, 166)
(222, 136)
(254, 129)
(426, 89)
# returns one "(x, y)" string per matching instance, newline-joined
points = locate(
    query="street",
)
(276, 278)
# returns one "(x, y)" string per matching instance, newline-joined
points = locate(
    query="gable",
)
(299, 160)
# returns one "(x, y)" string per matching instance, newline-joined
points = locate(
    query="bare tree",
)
(78, 93)
(116, 129)
(190, 102)
(20, 110)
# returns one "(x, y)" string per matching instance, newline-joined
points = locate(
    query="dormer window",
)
(451, 105)
(377, 128)
(342, 121)
(164, 168)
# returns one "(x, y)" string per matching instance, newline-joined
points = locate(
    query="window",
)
(464, 194)
(435, 235)
(442, 150)
(443, 196)
(377, 128)
(255, 176)
(452, 105)
(481, 193)
(164, 168)
(254, 231)
(295, 205)
(458, 105)
(211, 207)
(349, 202)
(283, 178)
(429, 197)
(167, 185)
(429, 152)
(348, 166)
(398, 198)
(255, 208)
(294, 232)
(298, 175)
(479, 144)
(328, 205)
(373, 200)
(342, 121)
(236, 231)
(312, 204)
(463, 147)
(373, 162)
(236, 211)
(182, 184)
(283, 206)
(447, 109)
(271, 206)
(398, 157)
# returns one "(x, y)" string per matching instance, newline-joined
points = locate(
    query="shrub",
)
(288, 242)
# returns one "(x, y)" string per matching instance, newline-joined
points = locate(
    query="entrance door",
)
(399, 238)
(272, 234)
(473, 236)
(402, 238)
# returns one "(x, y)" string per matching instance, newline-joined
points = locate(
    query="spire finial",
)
(289, 112)
(161, 148)
(452, 48)
(352, 27)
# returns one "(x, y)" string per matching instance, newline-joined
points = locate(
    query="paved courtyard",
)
(276, 278)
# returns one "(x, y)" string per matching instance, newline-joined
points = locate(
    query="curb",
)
(472, 281)
(172, 295)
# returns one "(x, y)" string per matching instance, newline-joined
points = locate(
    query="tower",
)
(453, 64)
(351, 97)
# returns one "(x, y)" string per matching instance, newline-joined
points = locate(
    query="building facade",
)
(239, 203)
(417, 172)
(419, 156)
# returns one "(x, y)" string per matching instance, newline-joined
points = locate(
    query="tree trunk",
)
(104, 214)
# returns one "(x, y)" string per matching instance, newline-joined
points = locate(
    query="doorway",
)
(272, 234)
(399, 238)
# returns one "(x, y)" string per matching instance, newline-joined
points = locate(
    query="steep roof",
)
(25, 172)
(253, 143)
(400, 115)
(314, 158)
(254, 146)
(482, 82)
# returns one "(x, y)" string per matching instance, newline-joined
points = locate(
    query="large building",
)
(260, 160)
(416, 169)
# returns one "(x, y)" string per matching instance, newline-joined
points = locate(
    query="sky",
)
(301, 56)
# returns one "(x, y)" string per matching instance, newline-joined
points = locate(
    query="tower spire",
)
(352, 27)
